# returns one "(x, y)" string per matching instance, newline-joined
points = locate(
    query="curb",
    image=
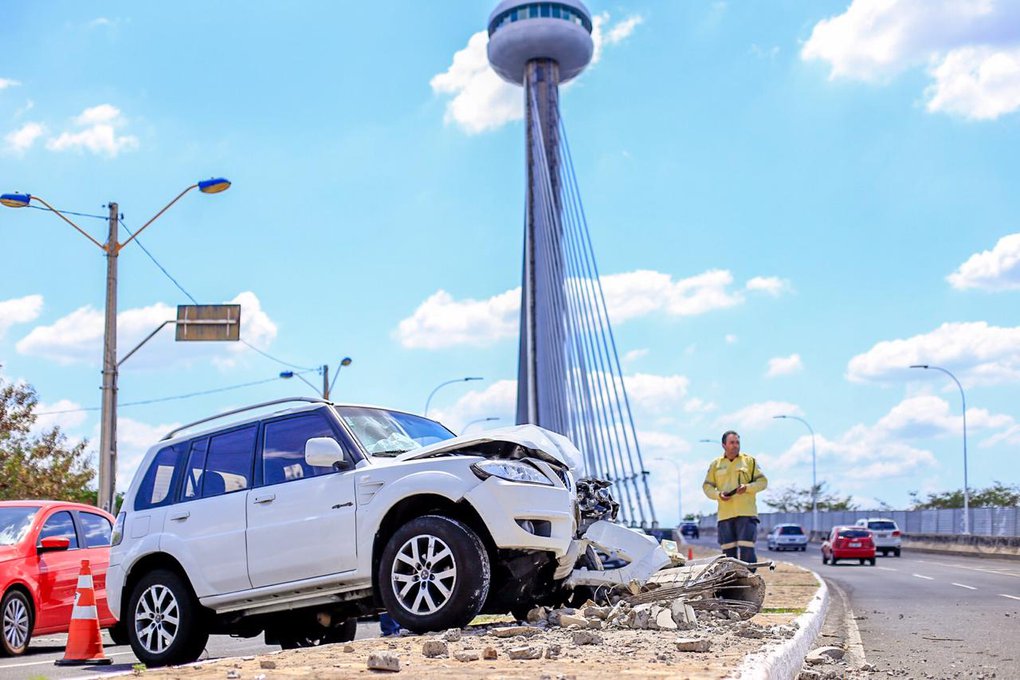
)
(785, 660)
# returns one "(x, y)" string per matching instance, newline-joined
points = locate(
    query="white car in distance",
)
(787, 537)
(295, 522)
(887, 534)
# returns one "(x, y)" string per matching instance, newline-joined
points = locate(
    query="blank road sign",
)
(197, 323)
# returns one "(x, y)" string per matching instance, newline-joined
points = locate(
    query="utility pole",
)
(108, 425)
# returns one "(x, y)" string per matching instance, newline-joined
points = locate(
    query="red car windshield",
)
(14, 523)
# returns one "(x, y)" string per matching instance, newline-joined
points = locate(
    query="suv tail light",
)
(118, 530)
(896, 533)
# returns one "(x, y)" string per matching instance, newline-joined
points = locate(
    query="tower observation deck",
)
(569, 378)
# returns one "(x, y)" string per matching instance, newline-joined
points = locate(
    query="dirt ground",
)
(616, 654)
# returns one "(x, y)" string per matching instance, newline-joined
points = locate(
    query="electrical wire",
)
(162, 399)
(68, 212)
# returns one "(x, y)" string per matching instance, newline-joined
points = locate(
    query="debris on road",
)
(383, 661)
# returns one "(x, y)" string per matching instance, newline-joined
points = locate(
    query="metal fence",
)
(983, 521)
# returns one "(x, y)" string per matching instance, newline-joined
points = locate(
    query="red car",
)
(42, 544)
(849, 543)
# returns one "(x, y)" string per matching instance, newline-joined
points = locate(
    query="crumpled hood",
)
(542, 443)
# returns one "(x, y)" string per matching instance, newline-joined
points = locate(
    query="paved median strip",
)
(960, 585)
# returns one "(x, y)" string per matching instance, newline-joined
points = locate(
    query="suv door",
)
(205, 530)
(301, 518)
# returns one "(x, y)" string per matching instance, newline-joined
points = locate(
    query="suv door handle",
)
(265, 499)
(180, 517)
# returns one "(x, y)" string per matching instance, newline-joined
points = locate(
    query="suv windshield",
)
(787, 531)
(885, 525)
(14, 523)
(389, 433)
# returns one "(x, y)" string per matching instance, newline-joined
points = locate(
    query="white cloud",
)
(634, 355)
(19, 310)
(975, 352)
(655, 394)
(731, 339)
(441, 321)
(133, 439)
(78, 336)
(994, 270)
(784, 366)
(928, 416)
(498, 400)
(970, 48)
(697, 405)
(21, 140)
(99, 136)
(480, 100)
(757, 416)
(771, 285)
(7, 82)
(52, 416)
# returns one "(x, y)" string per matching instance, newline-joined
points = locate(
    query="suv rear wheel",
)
(165, 625)
(434, 574)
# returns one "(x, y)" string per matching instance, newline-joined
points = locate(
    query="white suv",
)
(294, 523)
(887, 534)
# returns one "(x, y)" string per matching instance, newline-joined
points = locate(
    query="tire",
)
(897, 552)
(411, 589)
(18, 620)
(804, 549)
(119, 633)
(162, 602)
(833, 560)
(862, 562)
(872, 561)
(298, 639)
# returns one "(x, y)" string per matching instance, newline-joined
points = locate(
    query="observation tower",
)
(568, 377)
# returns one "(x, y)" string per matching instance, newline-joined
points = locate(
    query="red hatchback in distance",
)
(42, 544)
(849, 543)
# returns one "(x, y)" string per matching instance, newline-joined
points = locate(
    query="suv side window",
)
(193, 470)
(229, 462)
(97, 529)
(283, 447)
(161, 478)
(61, 525)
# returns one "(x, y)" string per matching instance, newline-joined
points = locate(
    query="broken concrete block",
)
(824, 655)
(467, 655)
(664, 620)
(586, 637)
(490, 653)
(233, 675)
(383, 661)
(434, 648)
(267, 664)
(693, 644)
(525, 653)
(512, 631)
(452, 635)
(806, 674)
(640, 616)
(567, 620)
(348, 648)
(596, 612)
(553, 651)
(537, 614)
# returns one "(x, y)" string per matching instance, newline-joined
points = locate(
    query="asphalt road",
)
(42, 652)
(923, 613)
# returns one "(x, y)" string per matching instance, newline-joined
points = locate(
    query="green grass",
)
(782, 610)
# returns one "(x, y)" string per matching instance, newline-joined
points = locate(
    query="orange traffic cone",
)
(84, 641)
(690, 553)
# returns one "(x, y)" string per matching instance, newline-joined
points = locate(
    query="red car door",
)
(58, 574)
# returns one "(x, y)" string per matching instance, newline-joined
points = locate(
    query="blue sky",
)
(790, 202)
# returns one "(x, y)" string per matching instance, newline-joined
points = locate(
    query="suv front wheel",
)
(165, 625)
(434, 574)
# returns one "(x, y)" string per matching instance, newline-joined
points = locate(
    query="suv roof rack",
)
(309, 400)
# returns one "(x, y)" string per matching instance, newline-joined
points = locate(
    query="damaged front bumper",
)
(643, 554)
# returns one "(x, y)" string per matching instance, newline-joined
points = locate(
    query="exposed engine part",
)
(595, 503)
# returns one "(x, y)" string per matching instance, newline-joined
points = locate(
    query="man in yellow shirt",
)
(734, 479)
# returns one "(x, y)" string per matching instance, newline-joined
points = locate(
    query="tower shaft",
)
(541, 373)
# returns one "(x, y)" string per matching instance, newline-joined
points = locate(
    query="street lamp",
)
(327, 386)
(443, 384)
(477, 420)
(814, 483)
(679, 488)
(963, 398)
(107, 481)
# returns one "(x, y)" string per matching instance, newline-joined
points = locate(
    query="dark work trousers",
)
(736, 537)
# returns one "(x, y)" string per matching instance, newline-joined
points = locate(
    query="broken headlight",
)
(510, 470)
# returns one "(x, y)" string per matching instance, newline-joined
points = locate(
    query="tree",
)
(998, 495)
(797, 499)
(36, 466)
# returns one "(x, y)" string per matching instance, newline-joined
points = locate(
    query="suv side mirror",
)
(325, 452)
(53, 543)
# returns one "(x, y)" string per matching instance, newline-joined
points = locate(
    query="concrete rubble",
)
(383, 661)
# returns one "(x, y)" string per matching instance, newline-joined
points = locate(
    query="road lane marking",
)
(50, 662)
(887, 569)
(929, 578)
(960, 566)
(1012, 597)
(960, 585)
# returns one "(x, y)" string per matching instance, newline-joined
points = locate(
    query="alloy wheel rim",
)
(424, 574)
(16, 623)
(157, 619)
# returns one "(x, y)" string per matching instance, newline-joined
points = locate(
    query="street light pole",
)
(814, 481)
(444, 384)
(327, 386)
(107, 482)
(966, 489)
(476, 421)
